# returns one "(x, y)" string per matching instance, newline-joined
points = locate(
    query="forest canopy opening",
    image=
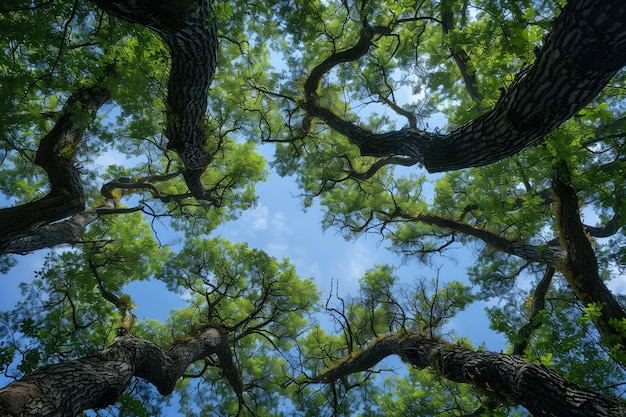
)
(136, 136)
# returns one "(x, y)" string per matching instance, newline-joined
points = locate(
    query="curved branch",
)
(585, 49)
(387, 345)
(189, 30)
(102, 378)
(582, 269)
(55, 155)
(508, 377)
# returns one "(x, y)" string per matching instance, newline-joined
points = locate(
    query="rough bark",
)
(586, 47)
(581, 269)
(68, 388)
(552, 255)
(70, 230)
(55, 155)
(508, 377)
(189, 30)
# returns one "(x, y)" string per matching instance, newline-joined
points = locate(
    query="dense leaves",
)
(131, 131)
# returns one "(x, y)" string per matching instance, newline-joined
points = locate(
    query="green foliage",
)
(423, 393)
(450, 58)
(260, 301)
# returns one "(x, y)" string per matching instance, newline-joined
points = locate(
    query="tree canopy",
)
(350, 97)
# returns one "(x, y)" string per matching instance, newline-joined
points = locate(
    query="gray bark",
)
(68, 388)
(581, 269)
(508, 377)
(55, 156)
(189, 30)
(67, 231)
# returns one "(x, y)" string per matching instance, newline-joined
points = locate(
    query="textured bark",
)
(508, 377)
(555, 256)
(586, 47)
(67, 231)
(574, 257)
(581, 270)
(55, 155)
(68, 388)
(189, 30)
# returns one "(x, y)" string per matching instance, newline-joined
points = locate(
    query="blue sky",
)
(279, 226)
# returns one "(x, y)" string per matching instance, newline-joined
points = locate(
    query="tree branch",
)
(68, 388)
(70, 230)
(581, 269)
(586, 47)
(507, 376)
(538, 305)
(55, 155)
(546, 254)
(189, 30)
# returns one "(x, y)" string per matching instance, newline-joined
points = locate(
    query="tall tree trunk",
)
(506, 377)
(189, 30)
(68, 388)
(581, 270)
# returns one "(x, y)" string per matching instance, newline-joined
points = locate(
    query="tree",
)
(192, 92)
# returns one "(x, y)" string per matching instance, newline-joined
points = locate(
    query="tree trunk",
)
(190, 32)
(581, 270)
(585, 49)
(505, 377)
(48, 236)
(536, 388)
(68, 388)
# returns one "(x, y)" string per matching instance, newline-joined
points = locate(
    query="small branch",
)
(538, 305)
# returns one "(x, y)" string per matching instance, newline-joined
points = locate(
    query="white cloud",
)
(278, 250)
(279, 224)
(360, 260)
(618, 284)
(114, 157)
(261, 219)
(258, 217)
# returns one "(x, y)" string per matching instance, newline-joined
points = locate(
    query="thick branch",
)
(541, 391)
(55, 155)
(190, 32)
(70, 230)
(68, 388)
(586, 47)
(538, 389)
(581, 270)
